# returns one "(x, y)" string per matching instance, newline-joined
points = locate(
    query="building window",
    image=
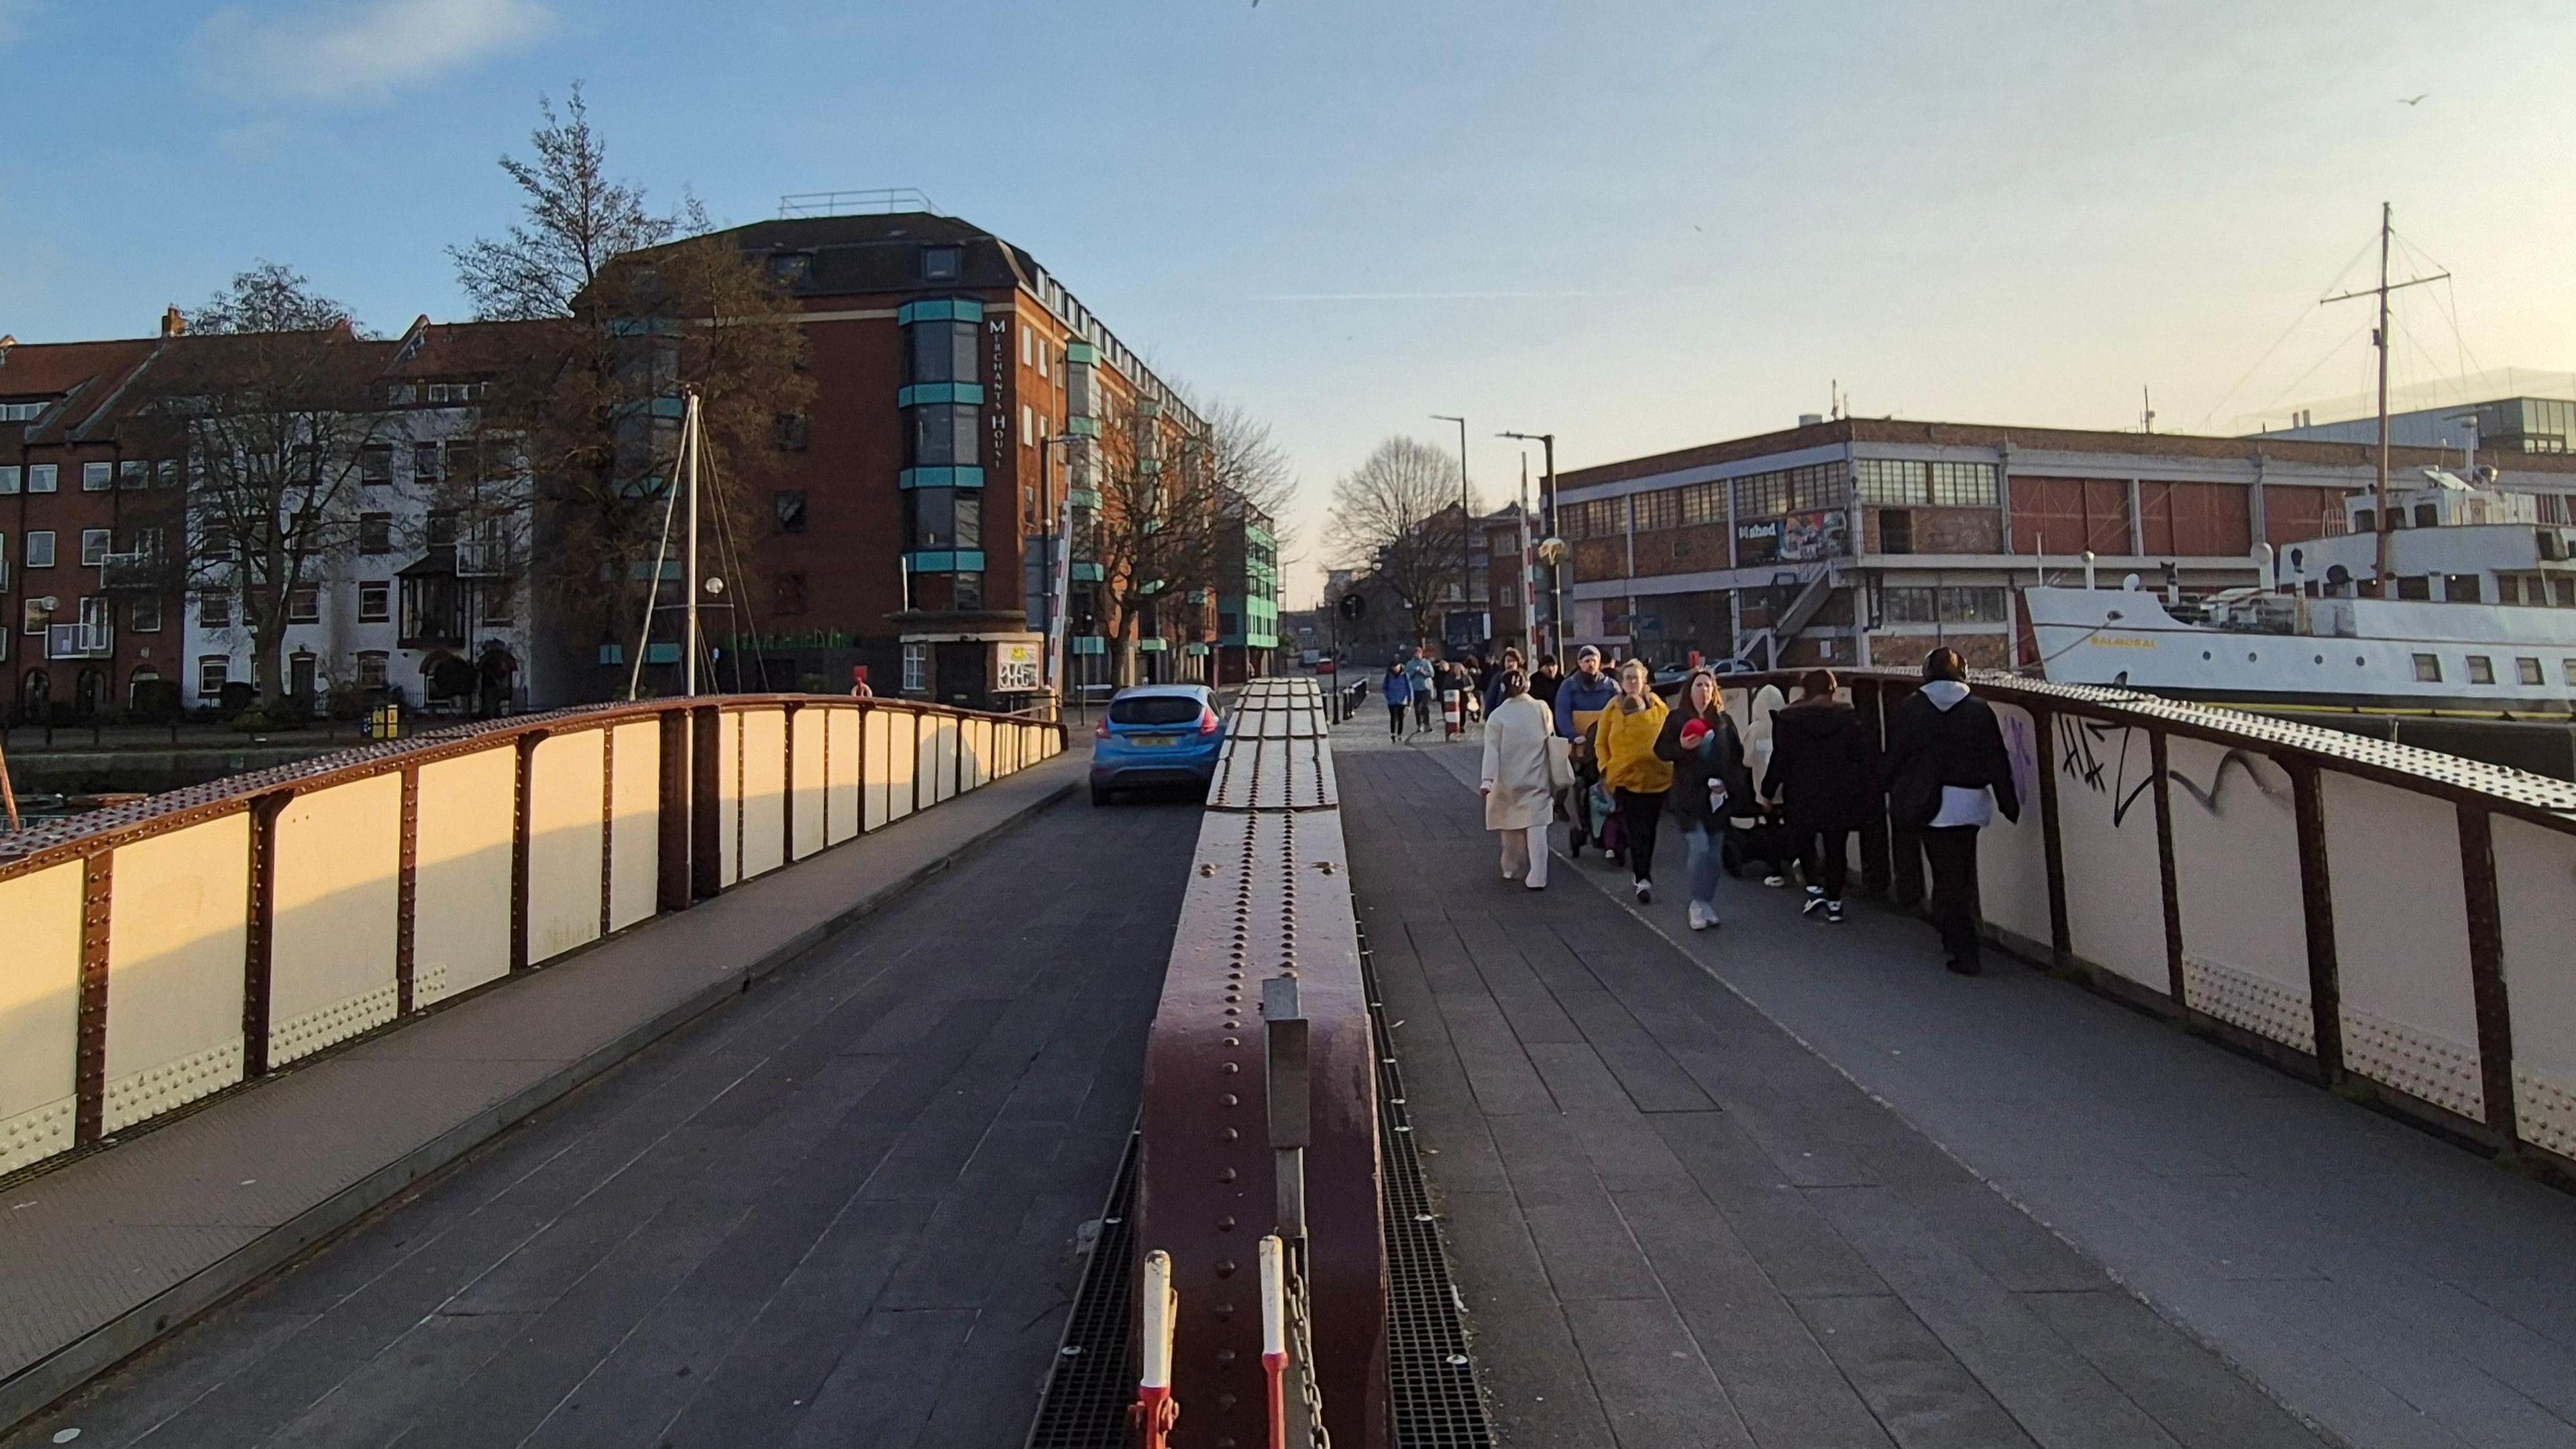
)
(1660, 509)
(2481, 669)
(791, 431)
(2414, 586)
(1704, 503)
(214, 671)
(375, 533)
(375, 601)
(943, 436)
(942, 351)
(2527, 671)
(304, 604)
(1964, 485)
(787, 595)
(1028, 426)
(1025, 349)
(2428, 668)
(11, 476)
(1761, 495)
(1894, 482)
(943, 518)
(167, 474)
(134, 473)
(425, 464)
(1972, 606)
(2462, 588)
(40, 549)
(371, 669)
(789, 506)
(1895, 530)
(215, 609)
(499, 601)
(42, 477)
(940, 264)
(967, 591)
(34, 615)
(146, 614)
(916, 668)
(376, 465)
(97, 477)
(96, 544)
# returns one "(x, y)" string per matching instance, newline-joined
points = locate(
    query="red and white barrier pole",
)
(1274, 1336)
(1156, 1411)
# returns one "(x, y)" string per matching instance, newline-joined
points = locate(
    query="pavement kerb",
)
(48, 1380)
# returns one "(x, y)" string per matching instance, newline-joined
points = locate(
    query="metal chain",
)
(1301, 1346)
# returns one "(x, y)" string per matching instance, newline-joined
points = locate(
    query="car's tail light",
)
(1207, 719)
(1101, 730)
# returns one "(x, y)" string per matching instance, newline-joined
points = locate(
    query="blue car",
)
(1156, 734)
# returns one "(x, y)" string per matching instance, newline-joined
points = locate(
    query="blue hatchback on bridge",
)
(1156, 734)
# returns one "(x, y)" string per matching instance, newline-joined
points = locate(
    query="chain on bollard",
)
(1301, 1354)
(1155, 1410)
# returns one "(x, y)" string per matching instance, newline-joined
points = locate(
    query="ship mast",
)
(2379, 339)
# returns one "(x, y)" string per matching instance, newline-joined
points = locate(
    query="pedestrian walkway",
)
(2392, 1288)
(848, 1200)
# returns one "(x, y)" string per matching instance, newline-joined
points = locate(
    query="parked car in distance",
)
(1156, 734)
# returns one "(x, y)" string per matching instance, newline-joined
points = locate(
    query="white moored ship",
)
(2482, 622)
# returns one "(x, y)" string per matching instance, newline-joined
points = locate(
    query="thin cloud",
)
(13, 20)
(360, 51)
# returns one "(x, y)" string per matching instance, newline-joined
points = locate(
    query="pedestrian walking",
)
(1518, 780)
(1822, 775)
(1700, 741)
(1397, 690)
(1418, 672)
(1623, 740)
(1492, 688)
(1759, 832)
(1947, 776)
(1580, 698)
(1543, 682)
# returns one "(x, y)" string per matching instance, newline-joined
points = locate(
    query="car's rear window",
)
(1154, 709)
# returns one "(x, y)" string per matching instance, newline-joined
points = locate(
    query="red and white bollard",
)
(1156, 1411)
(1453, 713)
(1274, 1335)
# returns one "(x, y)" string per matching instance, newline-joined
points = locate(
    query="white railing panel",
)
(635, 824)
(925, 753)
(567, 814)
(178, 928)
(39, 1013)
(463, 840)
(729, 797)
(876, 766)
(764, 790)
(2402, 941)
(2236, 874)
(979, 753)
(2106, 821)
(946, 737)
(2012, 860)
(841, 812)
(2536, 897)
(811, 784)
(337, 897)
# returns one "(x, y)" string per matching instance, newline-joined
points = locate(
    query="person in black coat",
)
(1822, 775)
(1947, 776)
(1706, 752)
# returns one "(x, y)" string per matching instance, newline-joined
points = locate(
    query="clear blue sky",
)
(1639, 223)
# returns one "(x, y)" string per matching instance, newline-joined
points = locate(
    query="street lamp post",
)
(1547, 506)
(1466, 564)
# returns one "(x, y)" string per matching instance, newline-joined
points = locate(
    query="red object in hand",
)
(1693, 732)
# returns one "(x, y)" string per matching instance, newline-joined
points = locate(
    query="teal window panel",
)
(1090, 645)
(1193, 650)
(661, 653)
(1152, 646)
(1149, 466)
(1083, 427)
(1261, 641)
(1087, 573)
(1085, 498)
(940, 309)
(940, 478)
(944, 561)
(920, 393)
(612, 653)
(1082, 352)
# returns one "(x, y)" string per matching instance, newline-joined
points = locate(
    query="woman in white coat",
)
(1519, 798)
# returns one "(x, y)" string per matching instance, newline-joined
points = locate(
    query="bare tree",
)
(274, 389)
(641, 321)
(1398, 517)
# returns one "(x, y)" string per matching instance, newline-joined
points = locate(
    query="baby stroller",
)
(1602, 815)
(1762, 837)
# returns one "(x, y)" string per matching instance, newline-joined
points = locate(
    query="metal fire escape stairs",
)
(1761, 648)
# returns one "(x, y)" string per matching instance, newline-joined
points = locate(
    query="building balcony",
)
(482, 558)
(145, 570)
(87, 639)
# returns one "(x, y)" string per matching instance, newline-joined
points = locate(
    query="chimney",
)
(173, 322)
(6, 342)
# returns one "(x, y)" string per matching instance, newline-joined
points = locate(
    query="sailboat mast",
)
(689, 575)
(2380, 490)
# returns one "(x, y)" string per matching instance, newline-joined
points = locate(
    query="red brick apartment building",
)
(1871, 541)
(904, 523)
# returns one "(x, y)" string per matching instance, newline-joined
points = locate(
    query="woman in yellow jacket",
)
(1623, 740)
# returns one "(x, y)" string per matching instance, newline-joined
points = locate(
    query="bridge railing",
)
(2379, 917)
(158, 952)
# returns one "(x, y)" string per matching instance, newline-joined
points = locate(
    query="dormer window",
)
(940, 264)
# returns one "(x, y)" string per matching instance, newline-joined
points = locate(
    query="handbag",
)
(1560, 761)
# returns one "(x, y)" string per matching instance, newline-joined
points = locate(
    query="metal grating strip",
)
(1093, 1378)
(1433, 1390)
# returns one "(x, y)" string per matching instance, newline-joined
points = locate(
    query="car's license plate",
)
(1152, 741)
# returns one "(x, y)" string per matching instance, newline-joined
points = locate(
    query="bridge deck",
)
(1679, 1223)
(839, 1212)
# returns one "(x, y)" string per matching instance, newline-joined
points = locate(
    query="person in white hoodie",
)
(1520, 800)
(1947, 776)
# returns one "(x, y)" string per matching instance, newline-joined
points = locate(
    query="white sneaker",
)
(1775, 881)
(1645, 893)
(1699, 917)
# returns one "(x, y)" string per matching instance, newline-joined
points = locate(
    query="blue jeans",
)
(1703, 841)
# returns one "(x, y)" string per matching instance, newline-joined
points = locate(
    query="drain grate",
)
(1433, 1392)
(1093, 1379)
